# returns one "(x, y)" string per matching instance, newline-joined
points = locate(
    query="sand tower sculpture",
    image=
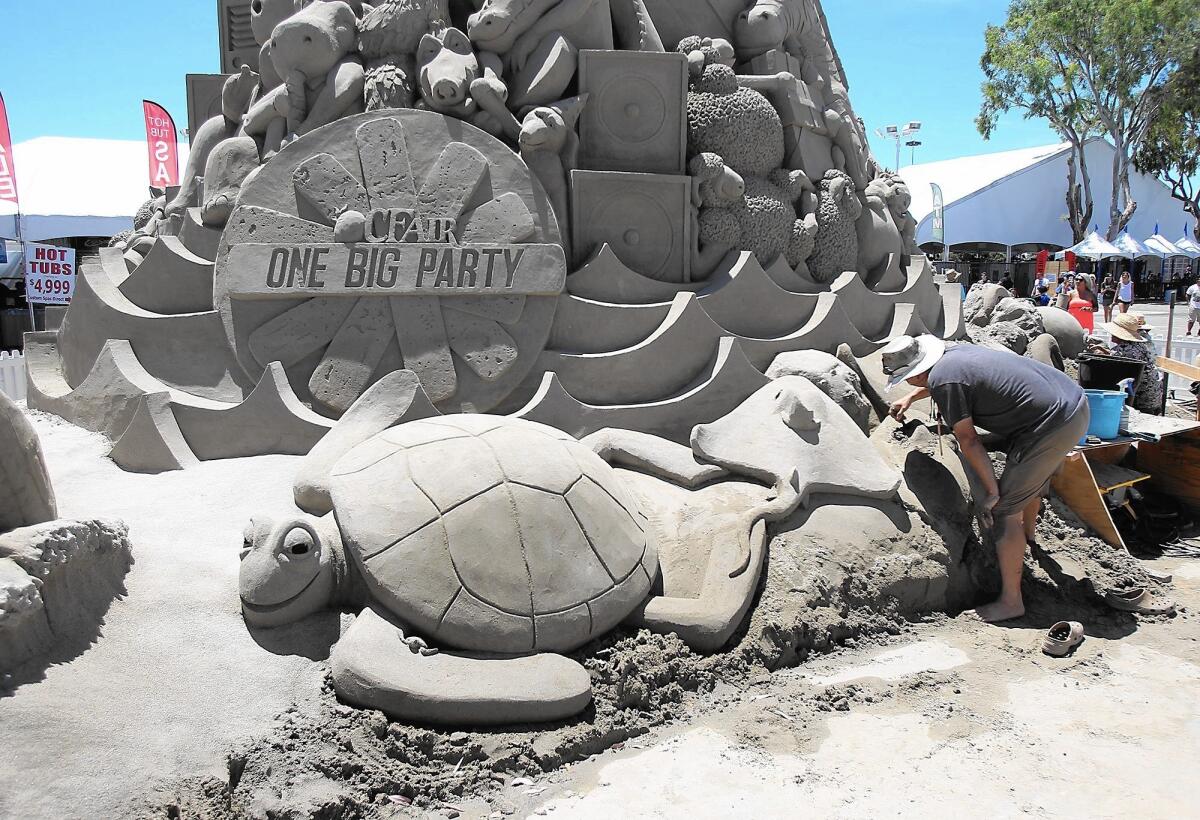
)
(588, 213)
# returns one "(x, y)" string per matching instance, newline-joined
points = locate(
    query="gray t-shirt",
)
(1003, 393)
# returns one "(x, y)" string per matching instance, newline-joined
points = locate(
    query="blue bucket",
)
(1106, 413)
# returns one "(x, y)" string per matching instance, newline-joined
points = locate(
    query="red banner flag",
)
(1043, 258)
(8, 168)
(162, 145)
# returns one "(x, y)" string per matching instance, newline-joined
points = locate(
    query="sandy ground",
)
(174, 676)
(951, 718)
(954, 719)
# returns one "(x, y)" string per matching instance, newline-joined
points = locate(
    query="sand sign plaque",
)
(387, 241)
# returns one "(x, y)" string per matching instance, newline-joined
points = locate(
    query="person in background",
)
(1041, 413)
(1041, 282)
(1009, 285)
(1043, 296)
(1125, 292)
(1131, 340)
(1062, 294)
(1108, 295)
(1193, 297)
(1081, 305)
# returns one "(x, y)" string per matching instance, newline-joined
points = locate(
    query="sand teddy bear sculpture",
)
(531, 546)
(747, 200)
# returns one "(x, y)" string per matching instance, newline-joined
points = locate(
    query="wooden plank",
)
(1110, 477)
(1174, 464)
(1076, 486)
(1180, 369)
(1112, 453)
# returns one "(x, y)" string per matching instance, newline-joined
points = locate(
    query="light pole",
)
(914, 145)
(897, 133)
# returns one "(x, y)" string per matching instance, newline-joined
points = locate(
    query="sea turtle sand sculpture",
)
(500, 538)
(482, 533)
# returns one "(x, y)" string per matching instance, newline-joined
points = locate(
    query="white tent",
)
(78, 187)
(1018, 198)
(1163, 246)
(1095, 246)
(1188, 247)
(1135, 249)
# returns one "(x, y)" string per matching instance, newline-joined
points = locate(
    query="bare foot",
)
(999, 611)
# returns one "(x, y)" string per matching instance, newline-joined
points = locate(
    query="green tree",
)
(1027, 70)
(1171, 149)
(1089, 67)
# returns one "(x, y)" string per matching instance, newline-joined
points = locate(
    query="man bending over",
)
(1039, 411)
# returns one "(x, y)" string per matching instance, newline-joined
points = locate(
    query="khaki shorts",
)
(1193, 315)
(1029, 469)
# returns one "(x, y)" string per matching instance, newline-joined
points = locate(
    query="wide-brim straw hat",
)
(906, 356)
(1126, 326)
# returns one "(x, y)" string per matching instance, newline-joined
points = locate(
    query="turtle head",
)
(288, 569)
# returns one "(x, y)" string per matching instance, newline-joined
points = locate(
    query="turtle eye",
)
(297, 544)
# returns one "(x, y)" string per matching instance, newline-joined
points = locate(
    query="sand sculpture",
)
(532, 545)
(57, 577)
(532, 187)
(523, 238)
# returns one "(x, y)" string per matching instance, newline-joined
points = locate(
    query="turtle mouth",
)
(267, 609)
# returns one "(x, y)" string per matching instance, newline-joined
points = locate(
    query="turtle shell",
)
(493, 534)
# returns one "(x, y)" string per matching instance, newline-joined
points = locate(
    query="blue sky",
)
(83, 69)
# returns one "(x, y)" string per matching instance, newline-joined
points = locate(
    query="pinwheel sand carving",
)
(457, 282)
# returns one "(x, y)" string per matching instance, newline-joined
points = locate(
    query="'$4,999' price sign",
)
(49, 274)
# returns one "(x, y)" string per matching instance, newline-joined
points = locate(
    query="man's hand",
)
(987, 508)
(899, 409)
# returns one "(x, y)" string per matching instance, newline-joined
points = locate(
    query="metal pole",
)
(897, 154)
(25, 265)
(1170, 322)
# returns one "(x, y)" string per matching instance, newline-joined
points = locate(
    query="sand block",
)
(356, 350)
(383, 152)
(421, 329)
(56, 582)
(26, 496)
(373, 667)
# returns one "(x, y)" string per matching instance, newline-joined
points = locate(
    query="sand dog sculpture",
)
(57, 577)
(532, 545)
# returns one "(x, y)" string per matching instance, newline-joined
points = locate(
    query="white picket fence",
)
(12, 374)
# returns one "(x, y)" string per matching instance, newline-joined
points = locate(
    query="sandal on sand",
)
(1139, 601)
(1062, 638)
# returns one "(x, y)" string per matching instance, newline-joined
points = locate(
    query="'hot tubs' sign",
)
(404, 254)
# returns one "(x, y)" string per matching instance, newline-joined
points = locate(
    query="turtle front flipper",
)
(396, 398)
(376, 666)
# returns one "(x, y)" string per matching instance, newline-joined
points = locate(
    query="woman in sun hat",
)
(1041, 413)
(1131, 340)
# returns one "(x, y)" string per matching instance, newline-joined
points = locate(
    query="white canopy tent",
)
(77, 187)
(1188, 247)
(1135, 249)
(1094, 246)
(1018, 198)
(1163, 246)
